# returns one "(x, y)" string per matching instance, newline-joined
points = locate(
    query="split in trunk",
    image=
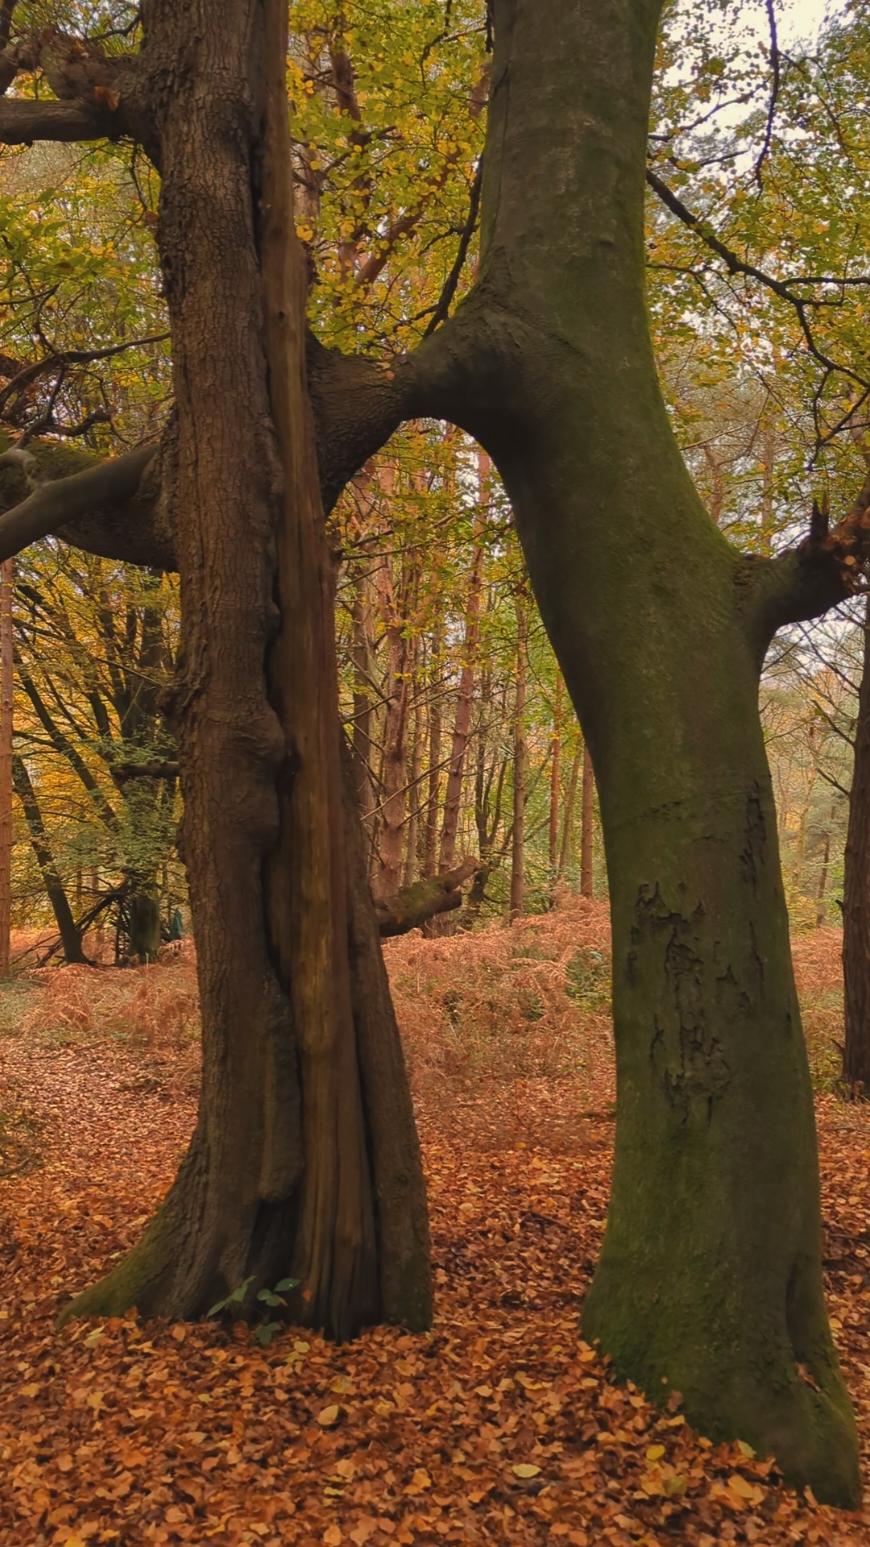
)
(304, 1161)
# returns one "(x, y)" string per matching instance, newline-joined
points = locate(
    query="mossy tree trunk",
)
(710, 1278)
(304, 1162)
(856, 896)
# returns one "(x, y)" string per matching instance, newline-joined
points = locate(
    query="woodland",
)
(434, 772)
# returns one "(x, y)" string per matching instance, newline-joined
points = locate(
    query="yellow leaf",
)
(420, 1481)
(744, 1489)
(525, 1469)
(654, 1452)
(329, 1416)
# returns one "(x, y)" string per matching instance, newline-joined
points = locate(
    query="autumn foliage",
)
(501, 1425)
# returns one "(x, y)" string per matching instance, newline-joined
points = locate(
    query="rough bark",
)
(288, 1172)
(856, 896)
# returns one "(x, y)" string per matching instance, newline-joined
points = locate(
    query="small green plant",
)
(268, 1298)
(587, 980)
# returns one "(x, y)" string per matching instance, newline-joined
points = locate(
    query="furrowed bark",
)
(289, 1172)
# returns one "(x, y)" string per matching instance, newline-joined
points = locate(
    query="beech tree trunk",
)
(710, 1277)
(856, 896)
(304, 1161)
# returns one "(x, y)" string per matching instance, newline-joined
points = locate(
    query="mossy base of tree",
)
(198, 1249)
(748, 1385)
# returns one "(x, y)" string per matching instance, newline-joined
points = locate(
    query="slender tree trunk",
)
(587, 827)
(362, 660)
(7, 572)
(394, 777)
(555, 779)
(710, 1277)
(304, 1161)
(519, 805)
(413, 822)
(856, 895)
(465, 694)
(568, 818)
(433, 780)
(54, 887)
(822, 888)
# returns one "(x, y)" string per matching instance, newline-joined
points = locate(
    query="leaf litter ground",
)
(499, 1426)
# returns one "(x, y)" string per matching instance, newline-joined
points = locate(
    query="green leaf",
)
(268, 1298)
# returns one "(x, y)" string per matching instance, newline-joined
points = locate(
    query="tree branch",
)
(774, 90)
(22, 122)
(52, 506)
(414, 905)
(784, 288)
(829, 566)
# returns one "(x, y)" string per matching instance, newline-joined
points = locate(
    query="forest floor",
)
(500, 1425)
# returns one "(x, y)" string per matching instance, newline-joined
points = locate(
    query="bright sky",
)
(801, 19)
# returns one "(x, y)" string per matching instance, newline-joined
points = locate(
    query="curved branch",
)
(54, 505)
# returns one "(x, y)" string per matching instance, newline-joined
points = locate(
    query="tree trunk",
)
(587, 826)
(856, 896)
(519, 773)
(413, 823)
(304, 1161)
(555, 779)
(144, 906)
(568, 818)
(465, 695)
(54, 887)
(433, 777)
(362, 660)
(710, 1276)
(396, 601)
(822, 888)
(7, 569)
